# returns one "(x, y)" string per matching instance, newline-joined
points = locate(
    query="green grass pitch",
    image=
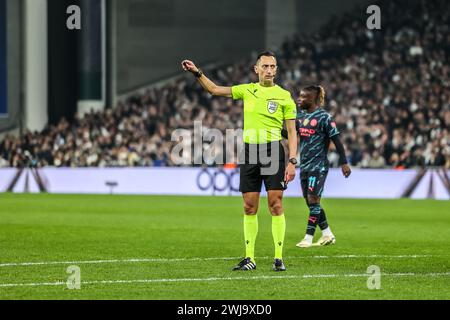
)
(157, 247)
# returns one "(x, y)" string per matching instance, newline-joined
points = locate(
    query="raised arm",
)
(206, 83)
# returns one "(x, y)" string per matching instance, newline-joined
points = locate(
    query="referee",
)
(266, 107)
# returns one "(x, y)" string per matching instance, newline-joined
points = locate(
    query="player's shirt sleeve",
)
(290, 110)
(238, 91)
(330, 127)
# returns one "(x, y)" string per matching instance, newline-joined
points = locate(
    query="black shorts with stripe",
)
(263, 163)
(313, 182)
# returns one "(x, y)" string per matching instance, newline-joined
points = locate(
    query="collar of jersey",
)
(310, 114)
(262, 87)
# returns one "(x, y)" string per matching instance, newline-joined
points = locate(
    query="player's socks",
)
(278, 232)
(327, 235)
(314, 214)
(306, 241)
(308, 238)
(323, 224)
(250, 232)
(327, 232)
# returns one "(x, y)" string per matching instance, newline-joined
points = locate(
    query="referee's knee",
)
(250, 208)
(276, 208)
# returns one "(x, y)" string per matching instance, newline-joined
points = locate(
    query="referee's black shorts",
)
(263, 162)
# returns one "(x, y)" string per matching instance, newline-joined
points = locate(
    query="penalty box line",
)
(212, 279)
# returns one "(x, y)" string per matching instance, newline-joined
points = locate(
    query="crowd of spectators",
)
(388, 89)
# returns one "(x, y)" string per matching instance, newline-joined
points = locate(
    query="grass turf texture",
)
(43, 228)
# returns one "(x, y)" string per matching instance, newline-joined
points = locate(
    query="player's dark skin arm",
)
(346, 171)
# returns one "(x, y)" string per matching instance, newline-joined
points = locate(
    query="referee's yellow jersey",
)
(265, 109)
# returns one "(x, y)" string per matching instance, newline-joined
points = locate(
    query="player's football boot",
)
(245, 265)
(326, 240)
(278, 265)
(304, 244)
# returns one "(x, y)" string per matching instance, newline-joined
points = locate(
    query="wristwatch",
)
(293, 161)
(198, 74)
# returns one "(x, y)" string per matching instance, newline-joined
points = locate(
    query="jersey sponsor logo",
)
(304, 132)
(272, 106)
(313, 122)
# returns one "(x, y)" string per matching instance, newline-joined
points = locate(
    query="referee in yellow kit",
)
(266, 106)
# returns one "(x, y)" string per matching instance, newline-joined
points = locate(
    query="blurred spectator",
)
(377, 161)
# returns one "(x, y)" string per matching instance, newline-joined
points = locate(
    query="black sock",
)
(314, 215)
(323, 224)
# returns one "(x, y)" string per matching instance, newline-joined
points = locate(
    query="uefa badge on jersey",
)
(272, 106)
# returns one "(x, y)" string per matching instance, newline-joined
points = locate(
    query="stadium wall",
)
(363, 183)
(152, 37)
(311, 15)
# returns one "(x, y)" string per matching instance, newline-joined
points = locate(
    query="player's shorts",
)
(313, 183)
(263, 163)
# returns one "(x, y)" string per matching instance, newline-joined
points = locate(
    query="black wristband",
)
(198, 74)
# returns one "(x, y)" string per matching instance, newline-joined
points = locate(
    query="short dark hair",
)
(266, 54)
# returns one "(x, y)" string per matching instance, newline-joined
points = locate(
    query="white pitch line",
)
(305, 276)
(16, 264)
(349, 256)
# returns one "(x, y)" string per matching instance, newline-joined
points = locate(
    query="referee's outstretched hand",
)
(188, 65)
